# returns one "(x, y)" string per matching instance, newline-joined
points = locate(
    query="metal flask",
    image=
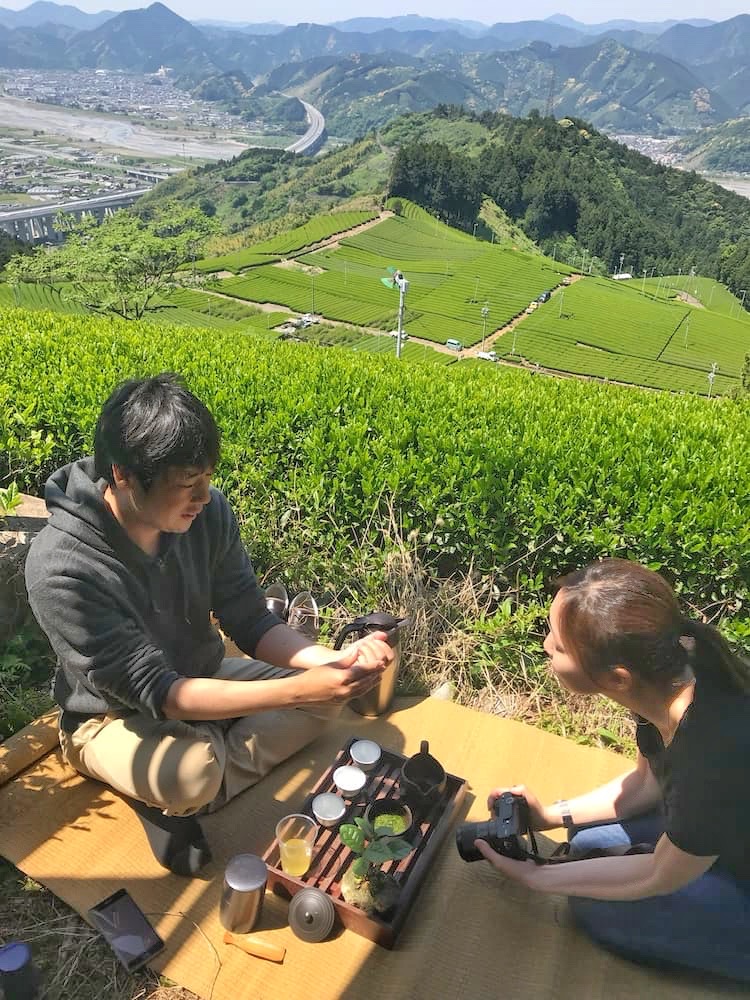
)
(377, 700)
(242, 893)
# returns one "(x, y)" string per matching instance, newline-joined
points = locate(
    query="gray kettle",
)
(377, 700)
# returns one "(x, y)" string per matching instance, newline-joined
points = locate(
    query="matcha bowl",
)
(393, 813)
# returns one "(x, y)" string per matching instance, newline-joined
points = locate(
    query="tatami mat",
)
(471, 934)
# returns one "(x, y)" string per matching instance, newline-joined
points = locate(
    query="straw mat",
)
(471, 934)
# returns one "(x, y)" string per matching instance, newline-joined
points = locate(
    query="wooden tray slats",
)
(331, 858)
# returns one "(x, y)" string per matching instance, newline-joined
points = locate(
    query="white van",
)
(487, 356)
(454, 345)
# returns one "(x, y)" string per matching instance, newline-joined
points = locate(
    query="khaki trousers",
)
(184, 768)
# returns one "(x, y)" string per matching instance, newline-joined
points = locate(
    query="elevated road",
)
(315, 135)
(36, 224)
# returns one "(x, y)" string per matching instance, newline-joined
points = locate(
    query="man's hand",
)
(372, 651)
(349, 676)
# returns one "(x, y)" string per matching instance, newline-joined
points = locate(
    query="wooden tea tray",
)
(331, 857)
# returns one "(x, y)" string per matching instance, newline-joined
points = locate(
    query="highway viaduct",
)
(36, 225)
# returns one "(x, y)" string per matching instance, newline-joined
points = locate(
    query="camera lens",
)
(466, 834)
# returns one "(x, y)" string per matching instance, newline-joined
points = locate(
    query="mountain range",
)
(621, 76)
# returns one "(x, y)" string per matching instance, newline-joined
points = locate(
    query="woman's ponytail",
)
(713, 659)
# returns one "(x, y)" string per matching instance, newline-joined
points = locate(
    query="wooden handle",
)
(256, 946)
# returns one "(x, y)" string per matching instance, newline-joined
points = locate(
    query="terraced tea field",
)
(610, 330)
(321, 227)
(26, 296)
(661, 333)
(452, 277)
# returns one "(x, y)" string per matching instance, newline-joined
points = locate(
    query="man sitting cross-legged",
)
(138, 552)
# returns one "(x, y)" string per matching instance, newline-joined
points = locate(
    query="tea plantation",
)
(660, 333)
(484, 465)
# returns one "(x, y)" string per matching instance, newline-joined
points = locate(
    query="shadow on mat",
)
(68, 832)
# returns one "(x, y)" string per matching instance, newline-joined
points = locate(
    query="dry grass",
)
(474, 643)
(73, 959)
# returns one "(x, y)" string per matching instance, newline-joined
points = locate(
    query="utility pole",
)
(403, 287)
(622, 258)
(562, 299)
(485, 314)
(687, 330)
(711, 377)
(474, 234)
(476, 290)
(312, 293)
(643, 283)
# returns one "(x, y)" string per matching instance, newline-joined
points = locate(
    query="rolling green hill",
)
(656, 333)
(563, 184)
(724, 148)
(614, 87)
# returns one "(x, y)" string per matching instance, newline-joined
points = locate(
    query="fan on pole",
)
(397, 280)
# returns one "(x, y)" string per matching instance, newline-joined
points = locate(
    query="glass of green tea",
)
(296, 836)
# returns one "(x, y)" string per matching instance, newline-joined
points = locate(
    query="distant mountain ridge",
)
(613, 87)
(684, 78)
(44, 12)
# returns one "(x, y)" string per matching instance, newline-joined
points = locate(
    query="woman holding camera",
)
(616, 629)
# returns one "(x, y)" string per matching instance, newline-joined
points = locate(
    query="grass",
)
(74, 961)
(26, 664)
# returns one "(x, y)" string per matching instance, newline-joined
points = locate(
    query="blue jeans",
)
(703, 926)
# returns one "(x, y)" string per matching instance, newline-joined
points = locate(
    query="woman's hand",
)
(520, 871)
(539, 817)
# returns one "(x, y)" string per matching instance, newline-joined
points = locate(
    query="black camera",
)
(504, 832)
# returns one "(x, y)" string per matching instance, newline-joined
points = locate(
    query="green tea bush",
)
(492, 468)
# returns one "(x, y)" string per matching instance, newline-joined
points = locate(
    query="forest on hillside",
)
(562, 179)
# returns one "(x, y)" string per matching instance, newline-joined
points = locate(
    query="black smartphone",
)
(124, 926)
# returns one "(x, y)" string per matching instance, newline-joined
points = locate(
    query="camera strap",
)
(563, 854)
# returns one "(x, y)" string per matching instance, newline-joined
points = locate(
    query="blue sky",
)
(324, 11)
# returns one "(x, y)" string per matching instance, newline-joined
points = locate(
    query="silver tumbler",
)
(242, 896)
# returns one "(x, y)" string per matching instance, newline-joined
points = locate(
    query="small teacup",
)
(349, 780)
(365, 754)
(328, 809)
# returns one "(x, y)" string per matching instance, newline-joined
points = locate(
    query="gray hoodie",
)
(125, 625)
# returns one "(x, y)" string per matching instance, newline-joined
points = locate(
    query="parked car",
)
(532, 306)
(487, 356)
(454, 345)
(404, 335)
(545, 296)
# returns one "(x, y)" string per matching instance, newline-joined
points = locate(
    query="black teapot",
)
(378, 699)
(423, 779)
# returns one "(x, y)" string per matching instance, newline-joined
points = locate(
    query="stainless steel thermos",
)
(242, 896)
(378, 699)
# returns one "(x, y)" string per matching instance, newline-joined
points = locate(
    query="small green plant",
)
(374, 845)
(10, 498)
(26, 665)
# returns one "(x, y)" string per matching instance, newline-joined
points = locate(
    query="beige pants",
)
(184, 768)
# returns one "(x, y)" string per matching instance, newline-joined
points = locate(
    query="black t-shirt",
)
(704, 775)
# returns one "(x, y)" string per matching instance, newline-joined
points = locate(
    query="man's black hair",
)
(148, 425)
